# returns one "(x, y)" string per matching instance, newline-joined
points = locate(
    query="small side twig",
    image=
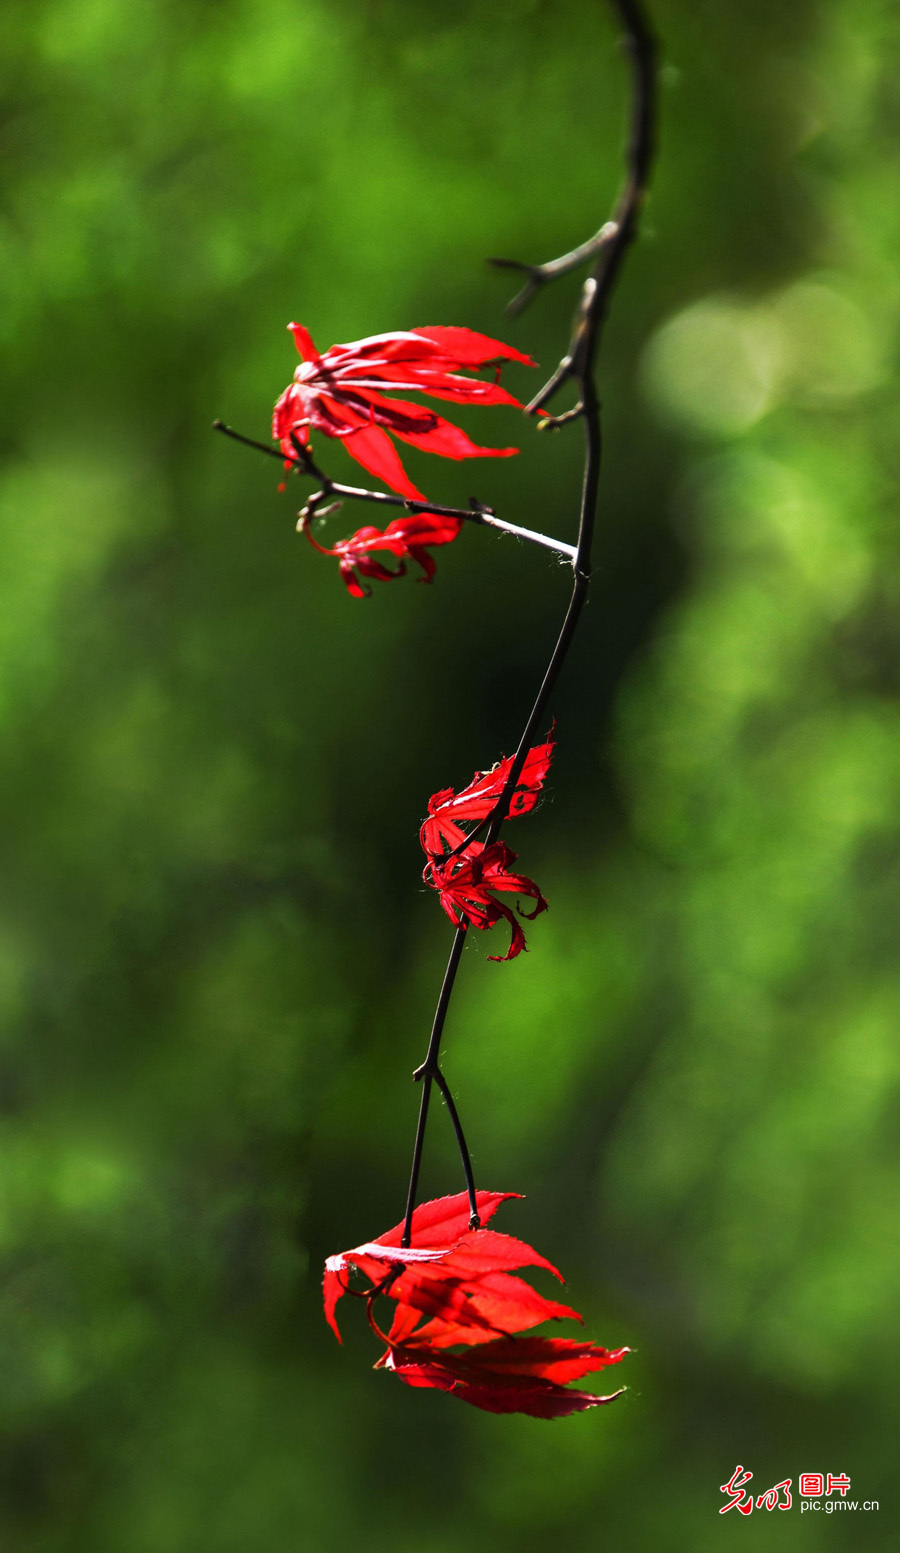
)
(477, 512)
(540, 274)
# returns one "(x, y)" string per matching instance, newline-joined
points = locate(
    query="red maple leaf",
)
(436, 1227)
(475, 802)
(341, 393)
(467, 885)
(510, 1375)
(405, 538)
(468, 874)
(455, 1288)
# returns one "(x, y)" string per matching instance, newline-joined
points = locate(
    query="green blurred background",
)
(217, 962)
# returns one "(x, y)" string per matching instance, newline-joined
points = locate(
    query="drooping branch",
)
(578, 364)
(580, 359)
(606, 249)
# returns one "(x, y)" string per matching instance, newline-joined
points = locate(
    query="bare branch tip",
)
(511, 264)
(522, 298)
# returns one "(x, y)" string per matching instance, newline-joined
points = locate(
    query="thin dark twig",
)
(550, 422)
(539, 274)
(421, 1124)
(641, 48)
(608, 248)
(250, 442)
(477, 513)
(579, 360)
(461, 1144)
(427, 1073)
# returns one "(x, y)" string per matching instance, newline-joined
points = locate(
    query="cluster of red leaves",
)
(341, 393)
(469, 874)
(405, 539)
(455, 1288)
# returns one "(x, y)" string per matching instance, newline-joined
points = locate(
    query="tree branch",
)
(608, 248)
(477, 513)
(429, 1072)
(539, 274)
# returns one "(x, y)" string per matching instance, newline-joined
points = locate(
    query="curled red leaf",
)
(468, 886)
(447, 808)
(436, 1227)
(341, 393)
(468, 874)
(406, 538)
